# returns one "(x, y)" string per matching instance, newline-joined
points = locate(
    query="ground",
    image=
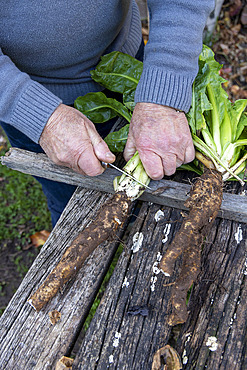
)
(23, 210)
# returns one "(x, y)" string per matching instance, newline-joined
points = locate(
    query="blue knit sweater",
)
(48, 48)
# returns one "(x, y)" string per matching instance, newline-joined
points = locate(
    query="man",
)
(47, 52)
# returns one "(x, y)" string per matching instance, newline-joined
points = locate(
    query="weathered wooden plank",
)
(28, 339)
(116, 340)
(218, 303)
(164, 192)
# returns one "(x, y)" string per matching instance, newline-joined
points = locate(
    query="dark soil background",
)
(229, 43)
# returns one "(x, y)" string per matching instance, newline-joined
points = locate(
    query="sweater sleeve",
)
(171, 54)
(24, 103)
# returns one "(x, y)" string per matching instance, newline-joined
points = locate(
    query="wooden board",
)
(164, 192)
(28, 339)
(217, 305)
(115, 339)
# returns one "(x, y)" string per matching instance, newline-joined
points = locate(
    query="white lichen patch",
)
(117, 220)
(116, 339)
(156, 269)
(239, 234)
(212, 343)
(159, 257)
(125, 283)
(137, 242)
(232, 319)
(111, 359)
(188, 337)
(245, 268)
(159, 215)
(153, 281)
(184, 358)
(166, 232)
(165, 273)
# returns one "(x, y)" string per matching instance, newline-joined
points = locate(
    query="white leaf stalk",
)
(221, 163)
(126, 184)
(219, 127)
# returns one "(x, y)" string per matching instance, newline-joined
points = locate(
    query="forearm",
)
(25, 104)
(171, 55)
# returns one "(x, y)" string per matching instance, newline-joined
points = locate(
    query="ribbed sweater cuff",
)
(160, 87)
(33, 110)
(134, 38)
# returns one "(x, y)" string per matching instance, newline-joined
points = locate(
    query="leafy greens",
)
(217, 125)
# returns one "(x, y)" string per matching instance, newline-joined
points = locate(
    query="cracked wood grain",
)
(164, 192)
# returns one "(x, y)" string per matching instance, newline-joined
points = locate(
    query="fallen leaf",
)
(236, 29)
(39, 238)
(64, 363)
(166, 358)
(224, 48)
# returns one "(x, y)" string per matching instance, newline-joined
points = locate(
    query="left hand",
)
(162, 137)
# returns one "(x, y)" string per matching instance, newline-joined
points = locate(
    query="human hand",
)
(162, 137)
(70, 139)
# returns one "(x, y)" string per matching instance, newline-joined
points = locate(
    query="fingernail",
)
(110, 156)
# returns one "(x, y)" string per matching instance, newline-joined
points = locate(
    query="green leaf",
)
(208, 78)
(118, 72)
(239, 118)
(116, 140)
(129, 99)
(98, 108)
(226, 127)
(200, 105)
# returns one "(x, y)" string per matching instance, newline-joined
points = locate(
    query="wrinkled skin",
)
(70, 139)
(159, 133)
(162, 137)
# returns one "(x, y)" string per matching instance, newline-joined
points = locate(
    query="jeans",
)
(57, 193)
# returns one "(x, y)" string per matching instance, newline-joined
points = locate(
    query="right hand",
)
(70, 139)
(162, 137)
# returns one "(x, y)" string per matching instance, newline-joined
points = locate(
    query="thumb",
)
(100, 147)
(130, 148)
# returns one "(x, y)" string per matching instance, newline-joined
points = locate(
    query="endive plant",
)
(217, 125)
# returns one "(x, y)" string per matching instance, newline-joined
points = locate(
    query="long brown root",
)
(204, 204)
(110, 216)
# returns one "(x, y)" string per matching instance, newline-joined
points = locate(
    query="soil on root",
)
(203, 204)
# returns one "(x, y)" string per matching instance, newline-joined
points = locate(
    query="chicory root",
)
(108, 219)
(203, 204)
